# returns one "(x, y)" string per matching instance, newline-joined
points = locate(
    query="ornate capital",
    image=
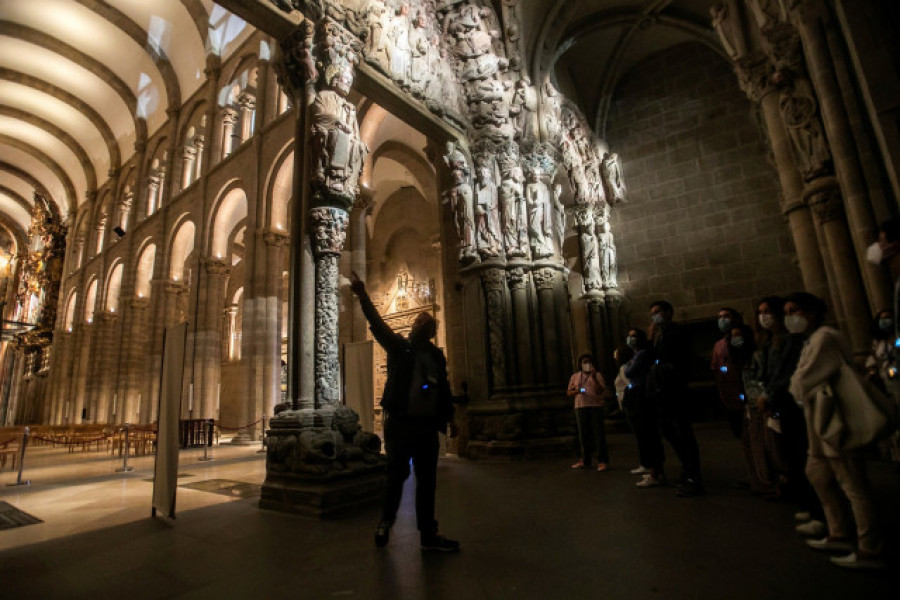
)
(108, 316)
(215, 266)
(544, 279)
(297, 66)
(754, 72)
(328, 228)
(584, 218)
(174, 288)
(492, 280)
(275, 238)
(139, 303)
(824, 199)
(246, 101)
(518, 278)
(229, 116)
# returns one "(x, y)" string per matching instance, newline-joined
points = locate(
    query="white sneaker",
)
(648, 481)
(813, 529)
(853, 561)
(802, 515)
(640, 470)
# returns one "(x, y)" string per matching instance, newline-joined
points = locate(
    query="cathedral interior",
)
(532, 173)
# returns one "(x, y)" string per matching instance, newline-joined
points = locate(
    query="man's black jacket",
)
(401, 358)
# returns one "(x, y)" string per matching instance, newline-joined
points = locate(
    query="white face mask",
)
(796, 323)
(874, 254)
(766, 321)
(587, 367)
(658, 318)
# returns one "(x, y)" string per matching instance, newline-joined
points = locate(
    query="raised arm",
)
(384, 335)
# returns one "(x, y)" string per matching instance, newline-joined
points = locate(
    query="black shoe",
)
(690, 489)
(383, 533)
(439, 543)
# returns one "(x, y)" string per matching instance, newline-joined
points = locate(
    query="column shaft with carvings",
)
(493, 283)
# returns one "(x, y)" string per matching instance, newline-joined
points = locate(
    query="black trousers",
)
(406, 439)
(592, 433)
(675, 426)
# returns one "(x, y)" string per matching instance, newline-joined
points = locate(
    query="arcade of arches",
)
(533, 173)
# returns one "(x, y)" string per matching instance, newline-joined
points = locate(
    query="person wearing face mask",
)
(777, 426)
(727, 366)
(643, 409)
(667, 386)
(589, 390)
(836, 474)
(886, 251)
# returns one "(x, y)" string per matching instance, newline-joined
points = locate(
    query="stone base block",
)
(520, 449)
(322, 498)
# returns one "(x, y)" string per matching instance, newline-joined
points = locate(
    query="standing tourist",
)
(417, 404)
(667, 386)
(589, 390)
(832, 469)
(645, 414)
(727, 365)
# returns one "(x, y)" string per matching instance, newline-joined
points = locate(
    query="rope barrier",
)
(73, 443)
(239, 428)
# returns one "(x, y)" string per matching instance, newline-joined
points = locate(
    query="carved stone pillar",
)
(824, 198)
(813, 20)
(199, 145)
(492, 282)
(153, 189)
(229, 119)
(328, 228)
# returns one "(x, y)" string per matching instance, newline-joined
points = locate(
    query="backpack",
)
(423, 387)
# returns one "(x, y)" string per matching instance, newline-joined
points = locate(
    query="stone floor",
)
(528, 530)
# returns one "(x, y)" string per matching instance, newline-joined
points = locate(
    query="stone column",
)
(139, 206)
(229, 119)
(493, 284)
(104, 357)
(212, 151)
(328, 227)
(359, 235)
(812, 19)
(247, 104)
(133, 353)
(276, 244)
(824, 198)
(153, 188)
(545, 280)
(199, 145)
(522, 329)
(188, 155)
(208, 343)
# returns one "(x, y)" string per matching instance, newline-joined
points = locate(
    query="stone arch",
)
(229, 209)
(279, 188)
(144, 266)
(71, 203)
(114, 286)
(90, 300)
(69, 313)
(181, 248)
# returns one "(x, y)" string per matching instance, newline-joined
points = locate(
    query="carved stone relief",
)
(801, 115)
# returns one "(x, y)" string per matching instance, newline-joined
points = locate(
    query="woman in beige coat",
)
(831, 470)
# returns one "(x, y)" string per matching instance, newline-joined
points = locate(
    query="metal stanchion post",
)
(22, 460)
(125, 468)
(208, 441)
(263, 436)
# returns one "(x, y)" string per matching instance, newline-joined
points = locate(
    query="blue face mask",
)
(886, 324)
(724, 325)
(631, 342)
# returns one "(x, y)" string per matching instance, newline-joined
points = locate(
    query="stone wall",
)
(702, 228)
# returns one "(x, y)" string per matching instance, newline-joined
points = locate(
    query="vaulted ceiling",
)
(586, 46)
(81, 81)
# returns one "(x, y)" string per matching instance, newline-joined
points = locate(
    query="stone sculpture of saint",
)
(400, 50)
(512, 199)
(537, 197)
(560, 216)
(608, 266)
(420, 47)
(800, 112)
(612, 178)
(524, 107)
(486, 212)
(338, 150)
(590, 260)
(459, 196)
